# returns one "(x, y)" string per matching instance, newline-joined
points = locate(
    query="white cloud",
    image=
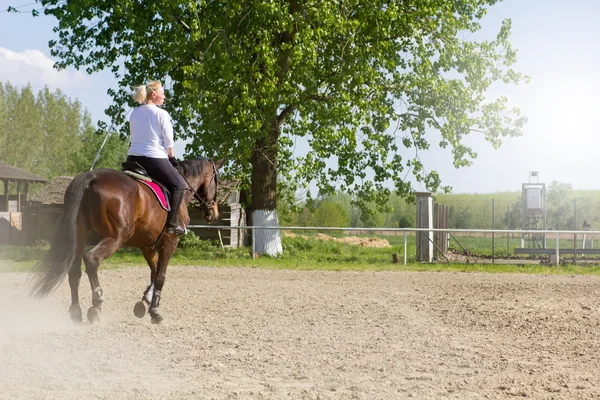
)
(32, 66)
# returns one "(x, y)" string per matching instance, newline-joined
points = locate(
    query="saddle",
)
(139, 173)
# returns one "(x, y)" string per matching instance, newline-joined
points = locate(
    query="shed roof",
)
(53, 192)
(10, 173)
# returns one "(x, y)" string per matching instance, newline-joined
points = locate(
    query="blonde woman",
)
(152, 145)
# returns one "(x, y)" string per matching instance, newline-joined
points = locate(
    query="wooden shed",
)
(45, 209)
(13, 204)
(231, 214)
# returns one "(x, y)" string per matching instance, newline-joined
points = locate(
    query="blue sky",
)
(558, 48)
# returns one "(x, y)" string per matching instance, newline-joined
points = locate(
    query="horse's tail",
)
(51, 270)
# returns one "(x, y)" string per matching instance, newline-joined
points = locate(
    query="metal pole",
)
(100, 149)
(108, 133)
(418, 234)
(404, 247)
(523, 195)
(575, 228)
(557, 252)
(544, 219)
(221, 240)
(508, 234)
(493, 227)
(253, 243)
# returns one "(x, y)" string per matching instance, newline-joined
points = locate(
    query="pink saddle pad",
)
(158, 192)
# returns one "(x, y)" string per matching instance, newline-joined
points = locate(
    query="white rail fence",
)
(557, 234)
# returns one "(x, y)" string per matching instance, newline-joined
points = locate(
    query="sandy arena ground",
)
(266, 334)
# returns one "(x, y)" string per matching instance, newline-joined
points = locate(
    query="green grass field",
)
(311, 254)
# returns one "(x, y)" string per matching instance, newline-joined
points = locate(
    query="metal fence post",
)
(253, 237)
(493, 228)
(557, 246)
(508, 234)
(404, 247)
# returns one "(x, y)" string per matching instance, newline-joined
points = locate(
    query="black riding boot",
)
(173, 217)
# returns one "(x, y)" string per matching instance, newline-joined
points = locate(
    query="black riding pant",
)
(161, 170)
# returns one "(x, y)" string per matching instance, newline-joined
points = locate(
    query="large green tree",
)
(360, 81)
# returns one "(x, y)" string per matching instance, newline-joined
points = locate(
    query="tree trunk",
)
(264, 194)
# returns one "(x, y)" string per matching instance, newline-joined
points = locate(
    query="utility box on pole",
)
(533, 212)
(424, 221)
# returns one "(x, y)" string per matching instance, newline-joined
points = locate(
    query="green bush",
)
(191, 241)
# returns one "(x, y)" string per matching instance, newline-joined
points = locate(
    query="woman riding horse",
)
(152, 145)
(125, 212)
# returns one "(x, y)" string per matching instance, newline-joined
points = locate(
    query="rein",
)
(195, 194)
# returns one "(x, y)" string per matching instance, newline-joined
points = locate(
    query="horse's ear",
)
(219, 163)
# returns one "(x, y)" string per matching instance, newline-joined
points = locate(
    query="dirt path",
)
(251, 333)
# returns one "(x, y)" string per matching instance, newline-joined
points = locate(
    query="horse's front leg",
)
(141, 307)
(164, 256)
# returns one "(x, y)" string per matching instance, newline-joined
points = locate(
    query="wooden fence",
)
(229, 215)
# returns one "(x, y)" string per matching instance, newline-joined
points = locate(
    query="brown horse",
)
(123, 212)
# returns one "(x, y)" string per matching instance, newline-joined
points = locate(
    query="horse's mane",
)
(191, 168)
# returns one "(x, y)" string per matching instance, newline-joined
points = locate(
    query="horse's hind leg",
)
(75, 277)
(92, 260)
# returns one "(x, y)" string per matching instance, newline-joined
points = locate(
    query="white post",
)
(557, 251)
(424, 220)
(253, 239)
(405, 247)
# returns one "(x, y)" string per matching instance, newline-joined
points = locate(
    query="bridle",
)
(202, 202)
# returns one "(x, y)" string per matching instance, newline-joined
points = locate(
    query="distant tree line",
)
(51, 135)
(468, 211)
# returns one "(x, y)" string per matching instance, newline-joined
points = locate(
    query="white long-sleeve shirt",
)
(151, 132)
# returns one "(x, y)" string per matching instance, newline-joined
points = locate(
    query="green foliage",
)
(561, 202)
(330, 213)
(469, 211)
(112, 155)
(289, 204)
(50, 135)
(559, 207)
(316, 252)
(191, 240)
(248, 78)
(514, 213)
(372, 219)
(474, 210)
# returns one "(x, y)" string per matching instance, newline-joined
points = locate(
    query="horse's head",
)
(203, 177)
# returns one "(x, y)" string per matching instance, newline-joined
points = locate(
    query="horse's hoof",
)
(93, 315)
(75, 313)
(140, 309)
(157, 319)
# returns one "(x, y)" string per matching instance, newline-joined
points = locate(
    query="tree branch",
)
(185, 26)
(285, 113)
(318, 97)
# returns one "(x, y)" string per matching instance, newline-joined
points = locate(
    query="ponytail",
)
(142, 93)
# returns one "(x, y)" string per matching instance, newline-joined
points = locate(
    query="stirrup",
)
(177, 230)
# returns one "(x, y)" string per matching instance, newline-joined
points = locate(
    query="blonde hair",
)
(141, 94)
